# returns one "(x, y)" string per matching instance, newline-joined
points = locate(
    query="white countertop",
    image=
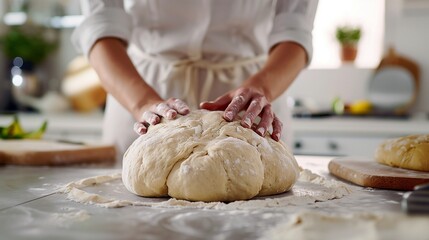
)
(25, 211)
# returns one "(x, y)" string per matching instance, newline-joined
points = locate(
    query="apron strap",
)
(190, 67)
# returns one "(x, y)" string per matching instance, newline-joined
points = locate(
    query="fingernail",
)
(154, 120)
(202, 104)
(186, 111)
(247, 122)
(261, 131)
(142, 130)
(277, 136)
(170, 114)
(228, 115)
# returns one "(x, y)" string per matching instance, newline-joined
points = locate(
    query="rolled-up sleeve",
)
(294, 22)
(103, 18)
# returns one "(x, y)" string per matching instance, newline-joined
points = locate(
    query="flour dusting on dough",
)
(203, 141)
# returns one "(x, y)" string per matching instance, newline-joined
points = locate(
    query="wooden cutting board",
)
(51, 153)
(369, 173)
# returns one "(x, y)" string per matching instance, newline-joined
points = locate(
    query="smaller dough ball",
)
(410, 152)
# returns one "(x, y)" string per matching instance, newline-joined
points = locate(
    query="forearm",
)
(284, 64)
(119, 76)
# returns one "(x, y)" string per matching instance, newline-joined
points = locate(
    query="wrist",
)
(142, 105)
(259, 83)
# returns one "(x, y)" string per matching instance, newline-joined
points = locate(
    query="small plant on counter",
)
(348, 37)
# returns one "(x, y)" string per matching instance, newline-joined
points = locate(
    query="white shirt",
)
(194, 28)
(195, 50)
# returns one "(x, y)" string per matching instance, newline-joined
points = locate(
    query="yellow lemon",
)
(360, 107)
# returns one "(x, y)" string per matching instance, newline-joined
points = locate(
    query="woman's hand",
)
(283, 65)
(153, 112)
(255, 103)
(111, 61)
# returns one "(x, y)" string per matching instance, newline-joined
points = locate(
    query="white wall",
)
(407, 29)
(412, 39)
(348, 12)
(323, 85)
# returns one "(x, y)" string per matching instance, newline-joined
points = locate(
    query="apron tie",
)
(189, 67)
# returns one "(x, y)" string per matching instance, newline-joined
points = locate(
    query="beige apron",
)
(191, 80)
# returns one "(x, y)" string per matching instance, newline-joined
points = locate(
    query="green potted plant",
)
(348, 37)
(25, 47)
(33, 43)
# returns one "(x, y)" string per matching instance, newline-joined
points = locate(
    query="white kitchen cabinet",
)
(350, 136)
(336, 145)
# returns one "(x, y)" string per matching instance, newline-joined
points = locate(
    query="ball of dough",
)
(201, 157)
(411, 152)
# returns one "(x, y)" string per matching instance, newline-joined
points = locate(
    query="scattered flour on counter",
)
(310, 188)
(68, 218)
(355, 226)
(86, 182)
(31, 219)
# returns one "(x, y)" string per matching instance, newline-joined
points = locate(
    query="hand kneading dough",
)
(201, 157)
(411, 152)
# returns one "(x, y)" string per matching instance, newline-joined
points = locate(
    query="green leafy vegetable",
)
(15, 131)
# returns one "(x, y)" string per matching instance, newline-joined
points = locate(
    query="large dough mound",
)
(411, 152)
(201, 157)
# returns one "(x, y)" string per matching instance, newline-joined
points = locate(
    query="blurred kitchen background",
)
(368, 79)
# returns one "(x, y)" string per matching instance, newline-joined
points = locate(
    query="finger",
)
(219, 103)
(255, 108)
(277, 129)
(267, 119)
(163, 110)
(140, 128)
(254, 127)
(151, 118)
(180, 106)
(237, 104)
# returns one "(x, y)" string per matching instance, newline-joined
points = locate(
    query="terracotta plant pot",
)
(348, 52)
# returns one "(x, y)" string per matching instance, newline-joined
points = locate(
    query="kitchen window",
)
(369, 15)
